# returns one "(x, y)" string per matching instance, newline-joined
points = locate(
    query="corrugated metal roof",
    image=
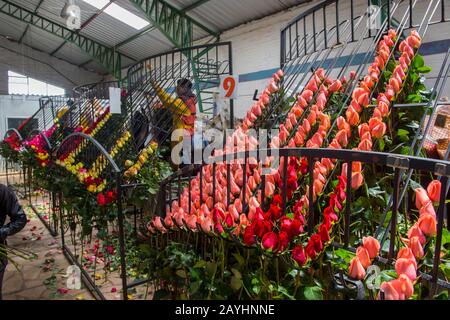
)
(217, 15)
(10, 27)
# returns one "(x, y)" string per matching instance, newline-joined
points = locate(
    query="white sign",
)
(229, 87)
(115, 100)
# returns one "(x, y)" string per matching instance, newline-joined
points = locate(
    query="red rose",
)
(101, 199)
(310, 250)
(219, 228)
(277, 200)
(218, 215)
(276, 212)
(249, 236)
(110, 196)
(298, 254)
(318, 245)
(259, 227)
(283, 239)
(296, 228)
(334, 202)
(285, 224)
(324, 233)
(270, 241)
(229, 220)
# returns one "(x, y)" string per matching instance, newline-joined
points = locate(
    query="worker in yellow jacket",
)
(183, 107)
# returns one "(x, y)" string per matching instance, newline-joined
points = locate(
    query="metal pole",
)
(123, 271)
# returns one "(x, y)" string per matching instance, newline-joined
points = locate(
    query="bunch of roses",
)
(91, 180)
(322, 168)
(264, 100)
(406, 264)
(364, 257)
(233, 219)
(92, 130)
(13, 140)
(133, 168)
(227, 219)
(263, 223)
(202, 215)
(106, 198)
(39, 145)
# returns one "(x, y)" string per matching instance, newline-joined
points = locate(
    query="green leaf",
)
(240, 260)
(236, 283)
(445, 237)
(424, 69)
(418, 61)
(344, 254)
(211, 268)
(313, 293)
(382, 144)
(402, 132)
(236, 273)
(200, 264)
(181, 273)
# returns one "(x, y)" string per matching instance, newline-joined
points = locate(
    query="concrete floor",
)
(43, 277)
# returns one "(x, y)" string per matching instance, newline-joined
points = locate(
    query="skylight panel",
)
(120, 14)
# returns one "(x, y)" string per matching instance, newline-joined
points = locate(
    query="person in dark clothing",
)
(9, 206)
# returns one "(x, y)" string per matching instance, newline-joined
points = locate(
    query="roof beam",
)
(28, 26)
(172, 22)
(108, 57)
(151, 28)
(195, 5)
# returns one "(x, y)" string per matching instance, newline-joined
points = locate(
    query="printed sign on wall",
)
(229, 87)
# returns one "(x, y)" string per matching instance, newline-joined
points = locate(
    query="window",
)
(20, 84)
(17, 122)
(120, 13)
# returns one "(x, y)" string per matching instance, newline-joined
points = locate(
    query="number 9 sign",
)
(228, 87)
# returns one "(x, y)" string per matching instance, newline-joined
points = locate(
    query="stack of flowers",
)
(13, 141)
(274, 230)
(419, 234)
(68, 158)
(263, 102)
(133, 168)
(39, 145)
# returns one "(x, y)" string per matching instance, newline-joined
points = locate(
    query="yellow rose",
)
(91, 188)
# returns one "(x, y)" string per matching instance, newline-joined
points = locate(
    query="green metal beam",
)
(151, 28)
(28, 26)
(105, 55)
(195, 5)
(172, 22)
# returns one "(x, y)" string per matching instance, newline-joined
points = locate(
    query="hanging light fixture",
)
(72, 13)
